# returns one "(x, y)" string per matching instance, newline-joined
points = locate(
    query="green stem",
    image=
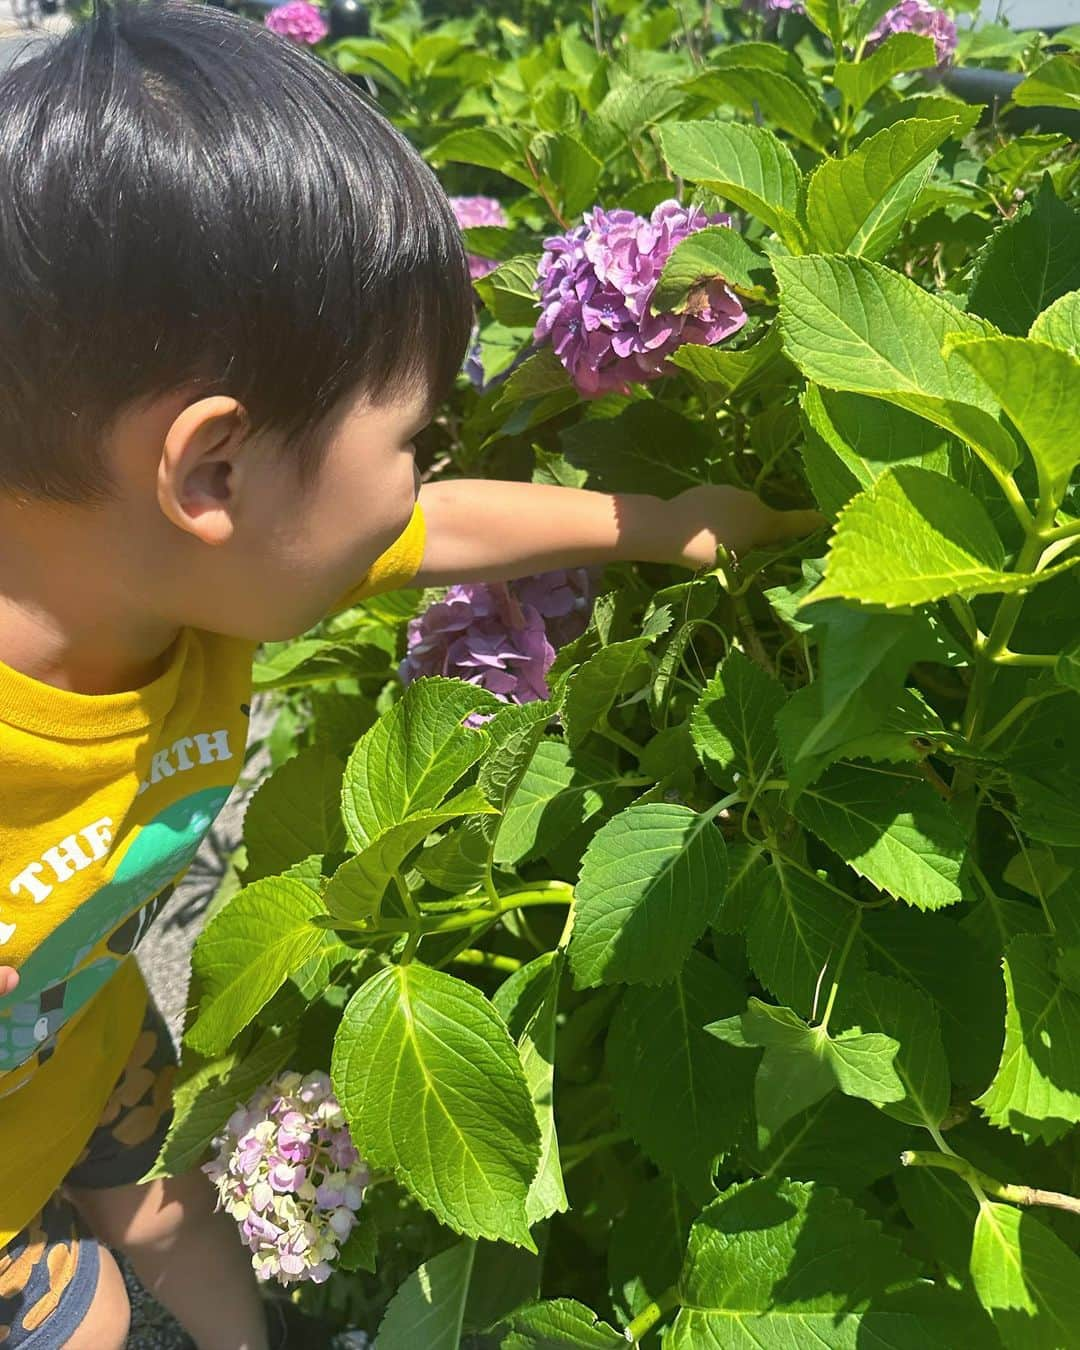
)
(1017, 710)
(609, 733)
(1000, 1190)
(823, 1027)
(1069, 531)
(1007, 658)
(644, 1322)
(1001, 630)
(487, 960)
(573, 1154)
(550, 893)
(406, 896)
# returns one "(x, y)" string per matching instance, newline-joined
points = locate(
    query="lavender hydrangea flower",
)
(923, 18)
(473, 211)
(502, 637)
(287, 1171)
(596, 283)
(299, 22)
(773, 6)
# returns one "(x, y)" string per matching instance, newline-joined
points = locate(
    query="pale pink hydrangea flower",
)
(287, 1171)
(473, 211)
(501, 637)
(596, 284)
(299, 22)
(918, 16)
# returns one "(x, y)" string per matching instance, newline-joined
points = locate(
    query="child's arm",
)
(9, 978)
(483, 530)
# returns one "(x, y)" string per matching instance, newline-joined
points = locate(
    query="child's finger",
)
(9, 978)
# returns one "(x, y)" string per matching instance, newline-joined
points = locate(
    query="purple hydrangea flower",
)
(773, 6)
(288, 1173)
(299, 22)
(502, 637)
(596, 283)
(918, 16)
(473, 211)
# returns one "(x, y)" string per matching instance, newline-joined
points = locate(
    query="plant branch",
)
(487, 960)
(1025, 1196)
(648, 1318)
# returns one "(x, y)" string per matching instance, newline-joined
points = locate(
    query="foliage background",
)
(635, 998)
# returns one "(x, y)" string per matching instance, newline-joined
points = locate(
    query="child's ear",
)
(202, 466)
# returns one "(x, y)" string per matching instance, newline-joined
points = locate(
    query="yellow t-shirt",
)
(104, 802)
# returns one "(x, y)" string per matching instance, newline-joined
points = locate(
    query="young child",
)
(230, 295)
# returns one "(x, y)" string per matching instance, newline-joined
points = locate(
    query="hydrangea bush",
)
(695, 960)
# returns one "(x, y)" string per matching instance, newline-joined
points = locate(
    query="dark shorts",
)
(49, 1272)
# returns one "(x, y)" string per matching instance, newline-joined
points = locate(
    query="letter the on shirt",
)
(66, 858)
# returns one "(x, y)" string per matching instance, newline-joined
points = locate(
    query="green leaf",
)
(914, 537)
(714, 253)
(839, 1141)
(1059, 324)
(432, 1083)
(731, 368)
(509, 293)
(599, 682)
(317, 661)
(852, 440)
(412, 756)
(204, 1100)
(1036, 1090)
(899, 1010)
(569, 170)
(528, 1003)
(1038, 386)
(559, 792)
(891, 828)
(1026, 1278)
(858, 204)
(356, 889)
(933, 953)
(500, 148)
(682, 1094)
(515, 734)
(561, 1324)
(747, 165)
(248, 951)
(829, 17)
(787, 103)
(645, 1253)
(651, 881)
(646, 448)
(852, 324)
(860, 80)
(633, 104)
(295, 813)
(1054, 84)
(863, 660)
(732, 724)
(1027, 264)
(1025, 155)
(775, 1263)
(802, 1064)
(795, 934)
(429, 1307)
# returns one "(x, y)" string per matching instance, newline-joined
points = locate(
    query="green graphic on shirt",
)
(58, 978)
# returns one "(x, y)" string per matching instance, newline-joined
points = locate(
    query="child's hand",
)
(9, 978)
(697, 521)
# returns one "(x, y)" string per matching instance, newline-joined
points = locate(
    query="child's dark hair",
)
(186, 199)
